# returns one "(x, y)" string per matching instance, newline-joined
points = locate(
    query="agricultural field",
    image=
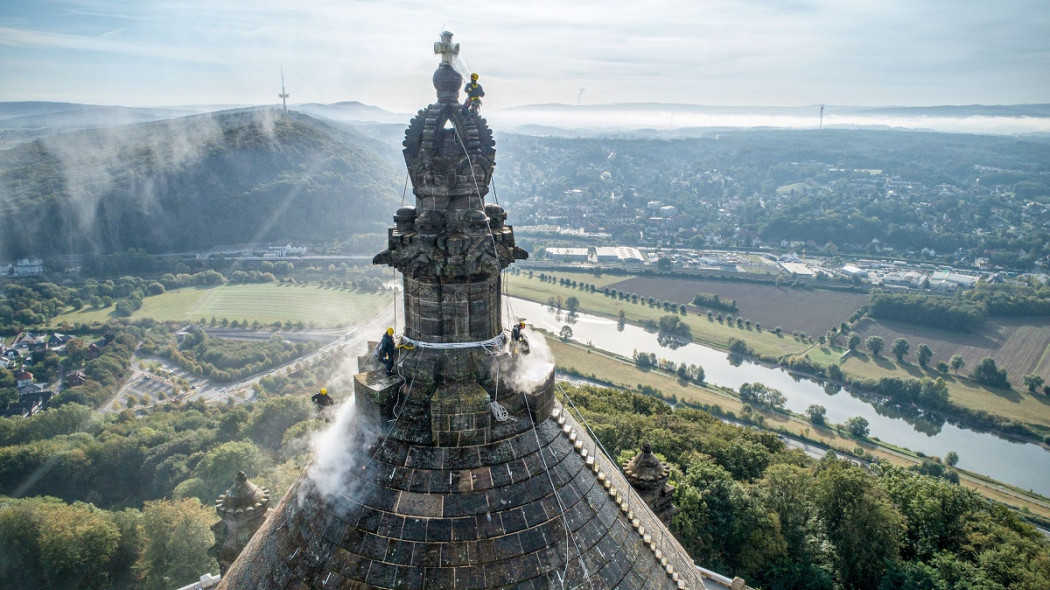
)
(265, 303)
(709, 332)
(1015, 404)
(813, 312)
(1019, 345)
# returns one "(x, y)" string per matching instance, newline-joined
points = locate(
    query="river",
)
(1024, 465)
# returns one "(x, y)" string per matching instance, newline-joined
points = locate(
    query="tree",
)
(817, 414)
(761, 394)
(988, 374)
(572, 303)
(861, 523)
(673, 332)
(178, 535)
(924, 354)
(956, 363)
(857, 426)
(875, 344)
(1033, 382)
(565, 332)
(854, 340)
(76, 350)
(900, 348)
(951, 459)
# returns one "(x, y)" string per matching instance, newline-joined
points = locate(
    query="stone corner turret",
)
(243, 508)
(648, 475)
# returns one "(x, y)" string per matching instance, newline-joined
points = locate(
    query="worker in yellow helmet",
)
(386, 351)
(321, 399)
(474, 93)
(518, 341)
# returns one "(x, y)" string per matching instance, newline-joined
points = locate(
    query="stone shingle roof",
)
(506, 514)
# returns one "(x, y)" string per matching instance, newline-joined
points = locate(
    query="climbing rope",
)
(491, 346)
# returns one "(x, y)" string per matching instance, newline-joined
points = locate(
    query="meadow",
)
(323, 307)
(1019, 345)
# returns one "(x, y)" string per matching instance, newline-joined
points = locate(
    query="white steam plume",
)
(341, 445)
(529, 371)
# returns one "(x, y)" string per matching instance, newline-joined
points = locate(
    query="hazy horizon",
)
(716, 52)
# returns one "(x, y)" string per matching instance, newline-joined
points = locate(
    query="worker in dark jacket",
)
(322, 400)
(518, 341)
(474, 93)
(387, 351)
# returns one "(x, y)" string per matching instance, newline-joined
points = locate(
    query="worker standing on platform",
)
(474, 93)
(387, 351)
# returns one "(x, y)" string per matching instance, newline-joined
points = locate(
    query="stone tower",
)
(242, 509)
(466, 472)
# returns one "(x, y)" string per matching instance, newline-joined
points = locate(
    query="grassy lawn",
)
(1016, 404)
(265, 303)
(712, 333)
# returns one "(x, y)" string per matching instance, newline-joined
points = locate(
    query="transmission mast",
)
(284, 95)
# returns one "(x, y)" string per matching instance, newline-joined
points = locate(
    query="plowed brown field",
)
(813, 312)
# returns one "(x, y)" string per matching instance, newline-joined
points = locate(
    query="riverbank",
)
(1015, 414)
(618, 371)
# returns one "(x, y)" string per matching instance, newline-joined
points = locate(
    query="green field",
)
(1015, 404)
(712, 333)
(265, 303)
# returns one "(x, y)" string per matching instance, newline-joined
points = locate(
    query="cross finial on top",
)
(446, 48)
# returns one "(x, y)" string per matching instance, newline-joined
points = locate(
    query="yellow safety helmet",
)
(389, 331)
(324, 391)
(521, 324)
(473, 77)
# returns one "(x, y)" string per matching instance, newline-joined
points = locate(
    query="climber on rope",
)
(321, 399)
(518, 341)
(474, 93)
(386, 351)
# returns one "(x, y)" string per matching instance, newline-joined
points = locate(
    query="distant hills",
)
(190, 183)
(977, 110)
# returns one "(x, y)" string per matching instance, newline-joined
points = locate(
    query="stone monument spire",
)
(457, 478)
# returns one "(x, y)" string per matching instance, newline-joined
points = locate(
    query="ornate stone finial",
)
(242, 509)
(446, 48)
(648, 474)
(645, 471)
(447, 81)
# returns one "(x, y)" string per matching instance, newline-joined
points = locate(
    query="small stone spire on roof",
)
(243, 509)
(648, 474)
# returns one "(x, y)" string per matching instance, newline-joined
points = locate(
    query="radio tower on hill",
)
(283, 95)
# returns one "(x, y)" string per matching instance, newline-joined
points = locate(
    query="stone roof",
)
(531, 509)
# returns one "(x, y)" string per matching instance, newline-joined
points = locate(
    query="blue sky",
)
(714, 52)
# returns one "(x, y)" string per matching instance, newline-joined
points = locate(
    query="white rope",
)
(492, 345)
(500, 413)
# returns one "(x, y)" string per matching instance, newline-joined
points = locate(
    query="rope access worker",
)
(474, 93)
(518, 341)
(387, 351)
(322, 400)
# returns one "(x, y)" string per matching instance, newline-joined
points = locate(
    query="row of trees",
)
(928, 310)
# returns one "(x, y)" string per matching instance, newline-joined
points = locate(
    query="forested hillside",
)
(192, 183)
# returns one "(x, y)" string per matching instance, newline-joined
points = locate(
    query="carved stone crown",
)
(450, 156)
